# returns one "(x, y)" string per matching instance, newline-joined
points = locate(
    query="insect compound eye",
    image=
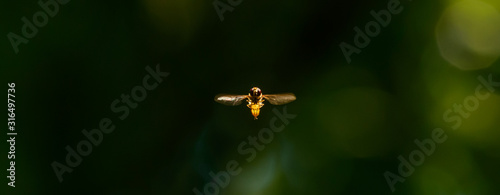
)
(258, 92)
(255, 91)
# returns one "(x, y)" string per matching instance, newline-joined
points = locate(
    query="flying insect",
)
(255, 100)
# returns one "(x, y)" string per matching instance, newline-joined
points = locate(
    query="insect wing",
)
(279, 99)
(230, 100)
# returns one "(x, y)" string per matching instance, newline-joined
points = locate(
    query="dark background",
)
(353, 120)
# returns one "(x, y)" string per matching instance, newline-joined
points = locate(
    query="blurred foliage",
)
(353, 120)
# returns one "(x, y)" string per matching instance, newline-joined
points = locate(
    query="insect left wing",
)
(230, 100)
(279, 99)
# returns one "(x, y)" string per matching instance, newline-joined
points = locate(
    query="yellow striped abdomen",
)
(255, 110)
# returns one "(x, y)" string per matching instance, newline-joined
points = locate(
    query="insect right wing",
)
(230, 100)
(280, 99)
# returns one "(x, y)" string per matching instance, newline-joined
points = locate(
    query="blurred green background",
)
(353, 119)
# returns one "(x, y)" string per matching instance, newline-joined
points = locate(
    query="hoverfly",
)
(255, 99)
